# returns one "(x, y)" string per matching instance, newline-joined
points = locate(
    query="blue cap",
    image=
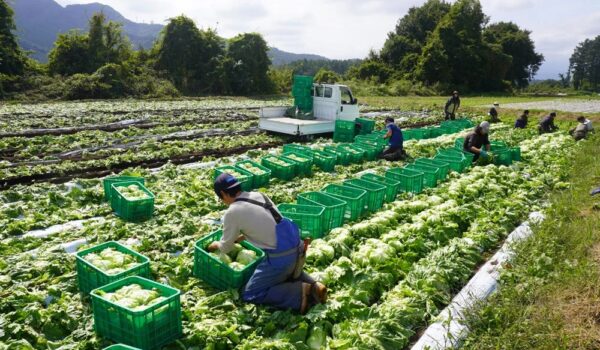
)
(225, 181)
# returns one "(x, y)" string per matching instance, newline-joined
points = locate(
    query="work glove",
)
(483, 154)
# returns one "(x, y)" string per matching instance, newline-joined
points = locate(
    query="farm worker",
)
(452, 105)
(279, 280)
(521, 122)
(580, 131)
(493, 113)
(478, 142)
(547, 124)
(395, 149)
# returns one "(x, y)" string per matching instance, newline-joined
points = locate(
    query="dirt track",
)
(576, 106)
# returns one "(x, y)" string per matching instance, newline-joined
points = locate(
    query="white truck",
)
(330, 103)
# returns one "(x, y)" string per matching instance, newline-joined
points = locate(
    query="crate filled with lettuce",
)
(106, 263)
(138, 312)
(225, 270)
(132, 201)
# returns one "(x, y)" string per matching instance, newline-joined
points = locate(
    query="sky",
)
(344, 29)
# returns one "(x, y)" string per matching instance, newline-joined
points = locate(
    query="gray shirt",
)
(247, 219)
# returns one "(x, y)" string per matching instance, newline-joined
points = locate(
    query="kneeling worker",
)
(395, 149)
(279, 280)
(478, 142)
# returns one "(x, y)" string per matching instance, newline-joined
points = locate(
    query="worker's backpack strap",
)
(267, 205)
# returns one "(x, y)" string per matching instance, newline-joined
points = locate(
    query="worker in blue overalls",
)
(279, 280)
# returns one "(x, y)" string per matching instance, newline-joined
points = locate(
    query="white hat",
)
(485, 126)
(496, 103)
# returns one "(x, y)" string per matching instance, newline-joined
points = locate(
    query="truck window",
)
(345, 95)
(328, 92)
(319, 91)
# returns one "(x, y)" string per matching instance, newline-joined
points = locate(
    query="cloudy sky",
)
(350, 28)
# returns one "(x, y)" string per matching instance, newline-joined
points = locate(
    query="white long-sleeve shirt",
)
(255, 223)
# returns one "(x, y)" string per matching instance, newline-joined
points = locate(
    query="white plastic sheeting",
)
(449, 330)
(52, 230)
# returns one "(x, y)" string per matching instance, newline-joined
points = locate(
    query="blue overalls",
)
(272, 282)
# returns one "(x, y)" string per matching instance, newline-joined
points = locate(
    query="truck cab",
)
(330, 103)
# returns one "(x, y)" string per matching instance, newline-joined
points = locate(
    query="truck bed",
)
(293, 126)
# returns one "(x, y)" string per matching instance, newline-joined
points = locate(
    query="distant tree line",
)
(434, 48)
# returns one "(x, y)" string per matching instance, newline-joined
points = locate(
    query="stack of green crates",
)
(375, 192)
(344, 131)
(309, 218)
(245, 178)
(355, 199)
(370, 152)
(333, 215)
(134, 210)
(213, 271)
(151, 328)
(109, 181)
(455, 162)
(89, 277)
(303, 162)
(260, 174)
(392, 186)
(366, 125)
(280, 167)
(302, 92)
(410, 180)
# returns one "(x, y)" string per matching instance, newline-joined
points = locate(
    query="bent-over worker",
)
(547, 124)
(493, 113)
(478, 141)
(521, 122)
(279, 280)
(580, 132)
(395, 149)
(452, 106)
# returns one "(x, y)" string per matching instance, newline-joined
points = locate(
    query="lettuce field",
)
(389, 272)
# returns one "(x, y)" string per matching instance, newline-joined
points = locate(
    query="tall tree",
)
(12, 58)
(584, 65)
(70, 54)
(412, 32)
(516, 43)
(248, 53)
(190, 57)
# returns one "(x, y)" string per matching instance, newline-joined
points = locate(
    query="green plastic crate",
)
(343, 156)
(89, 277)
(214, 272)
(309, 218)
(107, 184)
(148, 329)
(442, 166)
(284, 172)
(459, 143)
(372, 139)
(431, 175)
(324, 160)
(455, 163)
(355, 199)
(392, 186)
(136, 210)
(375, 192)
(498, 145)
(303, 162)
(408, 134)
(356, 155)
(467, 157)
(333, 216)
(292, 147)
(344, 131)
(366, 125)
(503, 157)
(515, 153)
(435, 132)
(120, 347)
(419, 133)
(371, 152)
(245, 178)
(410, 180)
(260, 178)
